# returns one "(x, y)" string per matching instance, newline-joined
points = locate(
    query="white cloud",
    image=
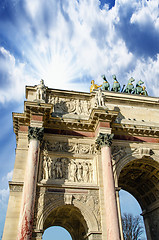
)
(147, 13)
(4, 193)
(13, 77)
(8, 177)
(75, 41)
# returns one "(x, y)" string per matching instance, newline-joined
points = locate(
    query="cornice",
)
(77, 121)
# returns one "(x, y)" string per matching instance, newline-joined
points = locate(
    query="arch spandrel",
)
(85, 208)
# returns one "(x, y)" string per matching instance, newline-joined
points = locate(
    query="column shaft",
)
(112, 223)
(29, 192)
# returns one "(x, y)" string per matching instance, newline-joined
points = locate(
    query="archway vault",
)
(70, 218)
(140, 177)
(75, 213)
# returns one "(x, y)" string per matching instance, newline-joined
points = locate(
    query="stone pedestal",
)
(29, 188)
(112, 223)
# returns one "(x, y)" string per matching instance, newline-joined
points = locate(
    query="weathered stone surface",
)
(69, 184)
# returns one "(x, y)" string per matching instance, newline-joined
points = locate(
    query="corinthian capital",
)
(35, 133)
(104, 140)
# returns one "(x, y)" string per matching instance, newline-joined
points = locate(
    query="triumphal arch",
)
(74, 152)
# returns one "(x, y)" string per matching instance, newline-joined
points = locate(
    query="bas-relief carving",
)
(119, 152)
(16, 188)
(78, 148)
(64, 106)
(89, 200)
(66, 169)
(92, 203)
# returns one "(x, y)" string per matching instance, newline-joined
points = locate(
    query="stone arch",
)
(85, 215)
(138, 174)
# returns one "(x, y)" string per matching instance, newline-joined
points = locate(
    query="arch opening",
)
(56, 232)
(140, 178)
(130, 205)
(70, 218)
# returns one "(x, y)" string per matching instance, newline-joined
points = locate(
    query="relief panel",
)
(66, 169)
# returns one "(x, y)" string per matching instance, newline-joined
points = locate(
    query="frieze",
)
(66, 106)
(70, 147)
(66, 169)
(16, 188)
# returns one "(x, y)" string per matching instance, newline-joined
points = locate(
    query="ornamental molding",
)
(87, 203)
(69, 147)
(15, 188)
(119, 153)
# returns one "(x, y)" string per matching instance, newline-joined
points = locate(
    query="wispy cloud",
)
(8, 177)
(4, 195)
(69, 42)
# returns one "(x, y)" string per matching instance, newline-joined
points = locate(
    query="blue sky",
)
(68, 43)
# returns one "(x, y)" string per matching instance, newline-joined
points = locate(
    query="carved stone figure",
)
(41, 92)
(58, 165)
(106, 85)
(79, 172)
(118, 153)
(94, 86)
(90, 173)
(78, 107)
(72, 172)
(130, 86)
(85, 172)
(92, 149)
(45, 168)
(116, 85)
(99, 98)
(49, 168)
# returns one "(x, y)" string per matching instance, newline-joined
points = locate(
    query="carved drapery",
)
(66, 169)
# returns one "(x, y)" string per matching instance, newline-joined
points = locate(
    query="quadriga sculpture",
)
(130, 86)
(94, 86)
(116, 85)
(138, 89)
(106, 85)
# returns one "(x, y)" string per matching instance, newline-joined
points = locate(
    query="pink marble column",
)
(111, 212)
(29, 188)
